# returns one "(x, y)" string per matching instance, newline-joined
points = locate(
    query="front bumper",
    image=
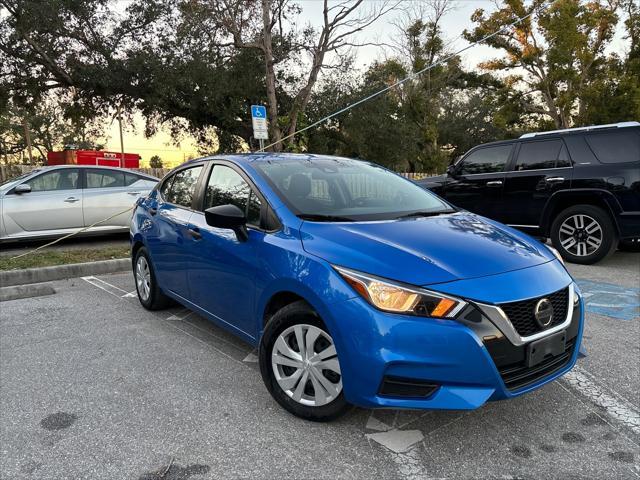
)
(463, 358)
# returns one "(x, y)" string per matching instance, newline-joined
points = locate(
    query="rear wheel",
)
(300, 366)
(149, 294)
(583, 234)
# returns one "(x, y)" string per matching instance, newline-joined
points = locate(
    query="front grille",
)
(521, 314)
(516, 376)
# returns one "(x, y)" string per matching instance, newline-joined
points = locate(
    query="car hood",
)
(431, 182)
(427, 250)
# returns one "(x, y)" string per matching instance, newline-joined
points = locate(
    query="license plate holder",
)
(552, 345)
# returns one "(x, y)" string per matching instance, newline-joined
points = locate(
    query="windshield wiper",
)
(315, 217)
(426, 214)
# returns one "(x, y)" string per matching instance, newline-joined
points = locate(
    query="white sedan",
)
(55, 201)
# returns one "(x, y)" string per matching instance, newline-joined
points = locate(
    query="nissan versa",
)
(358, 286)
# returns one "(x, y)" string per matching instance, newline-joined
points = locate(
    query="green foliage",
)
(155, 162)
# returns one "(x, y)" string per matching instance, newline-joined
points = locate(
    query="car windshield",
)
(337, 189)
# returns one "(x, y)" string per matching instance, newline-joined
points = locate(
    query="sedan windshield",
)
(337, 189)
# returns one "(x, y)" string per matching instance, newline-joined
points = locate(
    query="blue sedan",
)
(357, 286)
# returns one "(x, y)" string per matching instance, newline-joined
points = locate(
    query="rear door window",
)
(615, 147)
(540, 155)
(104, 179)
(486, 160)
(180, 188)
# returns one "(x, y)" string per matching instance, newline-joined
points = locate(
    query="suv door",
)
(54, 203)
(222, 275)
(475, 182)
(541, 168)
(171, 239)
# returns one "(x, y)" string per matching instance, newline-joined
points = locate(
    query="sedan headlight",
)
(397, 298)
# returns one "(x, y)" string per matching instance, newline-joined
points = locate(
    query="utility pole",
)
(121, 139)
(27, 138)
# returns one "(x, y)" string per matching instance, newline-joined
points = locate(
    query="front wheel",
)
(584, 234)
(299, 364)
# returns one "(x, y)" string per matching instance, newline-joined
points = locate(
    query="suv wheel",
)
(149, 294)
(583, 234)
(299, 364)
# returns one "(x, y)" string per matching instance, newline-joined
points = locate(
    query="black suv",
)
(580, 187)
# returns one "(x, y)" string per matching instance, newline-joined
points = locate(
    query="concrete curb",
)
(47, 274)
(17, 292)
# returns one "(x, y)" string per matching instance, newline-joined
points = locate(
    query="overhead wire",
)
(406, 79)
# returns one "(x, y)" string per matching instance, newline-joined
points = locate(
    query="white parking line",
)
(615, 406)
(102, 285)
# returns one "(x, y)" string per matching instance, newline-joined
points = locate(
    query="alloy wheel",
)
(143, 278)
(305, 365)
(580, 235)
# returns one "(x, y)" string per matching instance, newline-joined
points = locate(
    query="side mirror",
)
(451, 170)
(22, 188)
(230, 217)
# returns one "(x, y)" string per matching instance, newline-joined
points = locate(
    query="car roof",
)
(246, 158)
(98, 167)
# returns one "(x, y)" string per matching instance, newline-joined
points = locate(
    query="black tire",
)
(576, 253)
(298, 313)
(155, 300)
(629, 245)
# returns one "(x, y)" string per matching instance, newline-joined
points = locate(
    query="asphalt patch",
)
(626, 457)
(58, 421)
(572, 437)
(521, 451)
(593, 419)
(176, 472)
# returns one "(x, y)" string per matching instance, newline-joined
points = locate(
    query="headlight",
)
(397, 298)
(556, 253)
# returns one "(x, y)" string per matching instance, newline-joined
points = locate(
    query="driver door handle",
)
(555, 179)
(494, 183)
(71, 200)
(195, 233)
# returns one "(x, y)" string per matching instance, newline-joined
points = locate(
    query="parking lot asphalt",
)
(94, 386)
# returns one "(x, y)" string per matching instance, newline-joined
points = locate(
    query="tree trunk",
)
(270, 76)
(27, 138)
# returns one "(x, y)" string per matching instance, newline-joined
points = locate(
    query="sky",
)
(453, 24)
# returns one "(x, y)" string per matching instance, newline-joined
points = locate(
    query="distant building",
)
(71, 156)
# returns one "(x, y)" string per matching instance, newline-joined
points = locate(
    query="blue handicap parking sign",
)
(610, 300)
(258, 111)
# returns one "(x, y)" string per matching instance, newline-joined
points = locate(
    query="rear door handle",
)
(71, 200)
(555, 179)
(494, 183)
(133, 193)
(195, 233)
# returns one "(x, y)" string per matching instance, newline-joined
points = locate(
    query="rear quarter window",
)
(615, 147)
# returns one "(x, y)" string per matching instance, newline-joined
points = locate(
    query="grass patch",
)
(48, 258)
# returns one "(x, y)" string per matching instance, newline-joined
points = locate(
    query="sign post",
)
(259, 122)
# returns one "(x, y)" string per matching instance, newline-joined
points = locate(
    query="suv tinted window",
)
(180, 188)
(104, 179)
(62, 179)
(615, 147)
(486, 160)
(538, 155)
(225, 187)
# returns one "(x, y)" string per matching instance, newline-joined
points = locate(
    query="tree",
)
(272, 37)
(155, 162)
(554, 57)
